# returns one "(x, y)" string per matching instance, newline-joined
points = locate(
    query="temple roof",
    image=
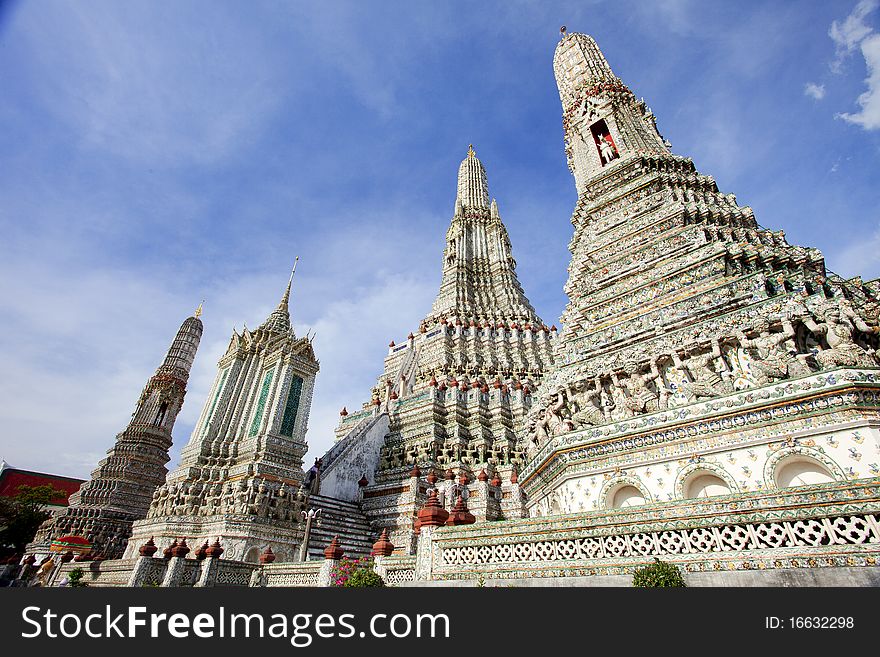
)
(278, 320)
(473, 187)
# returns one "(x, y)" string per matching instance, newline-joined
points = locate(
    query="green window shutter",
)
(261, 402)
(210, 415)
(292, 406)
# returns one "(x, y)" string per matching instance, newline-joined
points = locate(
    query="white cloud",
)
(815, 91)
(129, 82)
(869, 116)
(850, 32)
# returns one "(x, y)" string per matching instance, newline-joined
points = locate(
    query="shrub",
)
(74, 578)
(355, 573)
(362, 578)
(658, 574)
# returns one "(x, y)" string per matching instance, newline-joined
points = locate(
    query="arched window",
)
(801, 471)
(253, 555)
(626, 496)
(160, 415)
(705, 484)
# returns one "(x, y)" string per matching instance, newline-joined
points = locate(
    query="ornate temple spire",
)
(602, 120)
(182, 352)
(581, 64)
(279, 320)
(479, 279)
(121, 487)
(473, 188)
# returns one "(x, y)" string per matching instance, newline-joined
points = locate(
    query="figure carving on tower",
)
(839, 329)
(586, 401)
(771, 359)
(262, 500)
(641, 398)
(706, 380)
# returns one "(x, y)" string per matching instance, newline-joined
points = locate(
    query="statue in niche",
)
(298, 504)
(427, 451)
(471, 454)
(641, 398)
(583, 398)
(411, 453)
(771, 360)
(445, 455)
(228, 502)
(607, 403)
(706, 381)
(170, 500)
(606, 148)
(838, 329)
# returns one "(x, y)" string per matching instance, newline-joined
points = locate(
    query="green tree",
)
(22, 515)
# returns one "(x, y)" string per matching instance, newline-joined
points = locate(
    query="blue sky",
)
(153, 154)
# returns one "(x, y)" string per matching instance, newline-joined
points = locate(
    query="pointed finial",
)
(286, 298)
(471, 152)
(293, 271)
(198, 312)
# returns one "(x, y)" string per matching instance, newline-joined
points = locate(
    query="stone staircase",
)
(343, 519)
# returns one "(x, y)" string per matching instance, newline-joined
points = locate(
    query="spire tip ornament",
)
(198, 312)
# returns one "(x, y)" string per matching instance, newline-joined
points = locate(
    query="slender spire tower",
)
(479, 273)
(121, 487)
(240, 475)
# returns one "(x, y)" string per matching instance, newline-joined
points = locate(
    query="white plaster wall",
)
(340, 480)
(852, 453)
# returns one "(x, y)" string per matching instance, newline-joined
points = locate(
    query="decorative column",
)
(381, 549)
(144, 564)
(431, 516)
(515, 505)
(210, 559)
(176, 564)
(333, 554)
(448, 484)
(483, 493)
(460, 514)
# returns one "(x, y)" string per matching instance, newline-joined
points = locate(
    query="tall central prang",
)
(454, 394)
(695, 342)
